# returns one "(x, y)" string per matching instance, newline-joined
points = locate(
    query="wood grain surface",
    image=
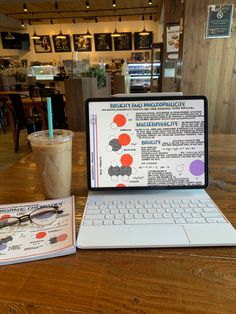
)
(209, 66)
(184, 280)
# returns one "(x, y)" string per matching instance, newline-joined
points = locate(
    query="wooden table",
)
(183, 280)
(13, 92)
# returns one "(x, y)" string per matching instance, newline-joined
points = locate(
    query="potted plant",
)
(98, 72)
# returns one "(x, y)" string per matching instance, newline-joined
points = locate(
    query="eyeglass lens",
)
(8, 226)
(44, 216)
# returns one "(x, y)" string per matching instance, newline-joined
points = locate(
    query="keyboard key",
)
(211, 215)
(118, 222)
(148, 221)
(87, 222)
(221, 220)
(97, 222)
(180, 221)
(119, 216)
(93, 217)
(92, 207)
(177, 215)
(138, 216)
(109, 216)
(93, 211)
(107, 222)
(103, 211)
(129, 216)
(148, 216)
(157, 216)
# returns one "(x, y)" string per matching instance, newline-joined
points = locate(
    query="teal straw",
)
(50, 125)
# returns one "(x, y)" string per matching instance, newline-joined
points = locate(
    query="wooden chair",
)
(19, 119)
(58, 112)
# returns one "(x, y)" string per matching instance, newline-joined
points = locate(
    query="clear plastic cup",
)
(53, 158)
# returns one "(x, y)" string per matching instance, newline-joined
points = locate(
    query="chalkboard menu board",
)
(81, 43)
(142, 42)
(43, 44)
(123, 42)
(61, 44)
(21, 41)
(219, 21)
(103, 42)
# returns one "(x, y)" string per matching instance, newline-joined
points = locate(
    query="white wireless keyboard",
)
(140, 212)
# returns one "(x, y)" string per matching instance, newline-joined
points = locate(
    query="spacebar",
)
(148, 221)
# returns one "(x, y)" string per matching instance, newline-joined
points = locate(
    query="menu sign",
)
(81, 43)
(123, 42)
(42, 44)
(61, 44)
(103, 42)
(219, 21)
(142, 42)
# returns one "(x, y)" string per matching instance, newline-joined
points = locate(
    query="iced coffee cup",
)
(53, 156)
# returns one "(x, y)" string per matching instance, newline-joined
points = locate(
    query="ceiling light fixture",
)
(35, 36)
(25, 7)
(88, 34)
(51, 21)
(115, 33)
(87, 4)
(9, 36)
(22, 24)
(29, 22)
(96, 20)
(56, 5)
(61, 35)
(150, 2)
(114, 3)
(144, 32)
(73, 20)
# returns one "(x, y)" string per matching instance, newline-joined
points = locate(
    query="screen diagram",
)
(147, 143)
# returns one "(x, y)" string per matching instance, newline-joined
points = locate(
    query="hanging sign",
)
(219, 21)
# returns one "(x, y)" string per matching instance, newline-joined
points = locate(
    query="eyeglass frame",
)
(27, 217)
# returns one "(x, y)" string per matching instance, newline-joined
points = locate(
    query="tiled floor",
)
(7, 155)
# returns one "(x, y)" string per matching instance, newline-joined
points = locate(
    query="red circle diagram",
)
(62, 237)
(126, 160)
(5, 216)
(124, 139)
(119, 119)
(121, 185)
(41, 235)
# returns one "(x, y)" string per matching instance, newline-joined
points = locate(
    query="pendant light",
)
(144, 32)
(35, 36)
(115, 33)
(88, 34)
(9, 36)
(61, 35)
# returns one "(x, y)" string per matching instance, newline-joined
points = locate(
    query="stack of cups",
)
(52, 151)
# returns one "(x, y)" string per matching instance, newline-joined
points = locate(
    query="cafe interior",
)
(73, 50)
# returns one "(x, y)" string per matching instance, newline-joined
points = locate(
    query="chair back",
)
(58, 112)
(47, 92)
(18, 109)
(31, 89)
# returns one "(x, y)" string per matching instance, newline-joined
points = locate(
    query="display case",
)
(144, 76)
(43, 72)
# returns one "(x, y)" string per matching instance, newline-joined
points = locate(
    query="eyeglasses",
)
(42, 216)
